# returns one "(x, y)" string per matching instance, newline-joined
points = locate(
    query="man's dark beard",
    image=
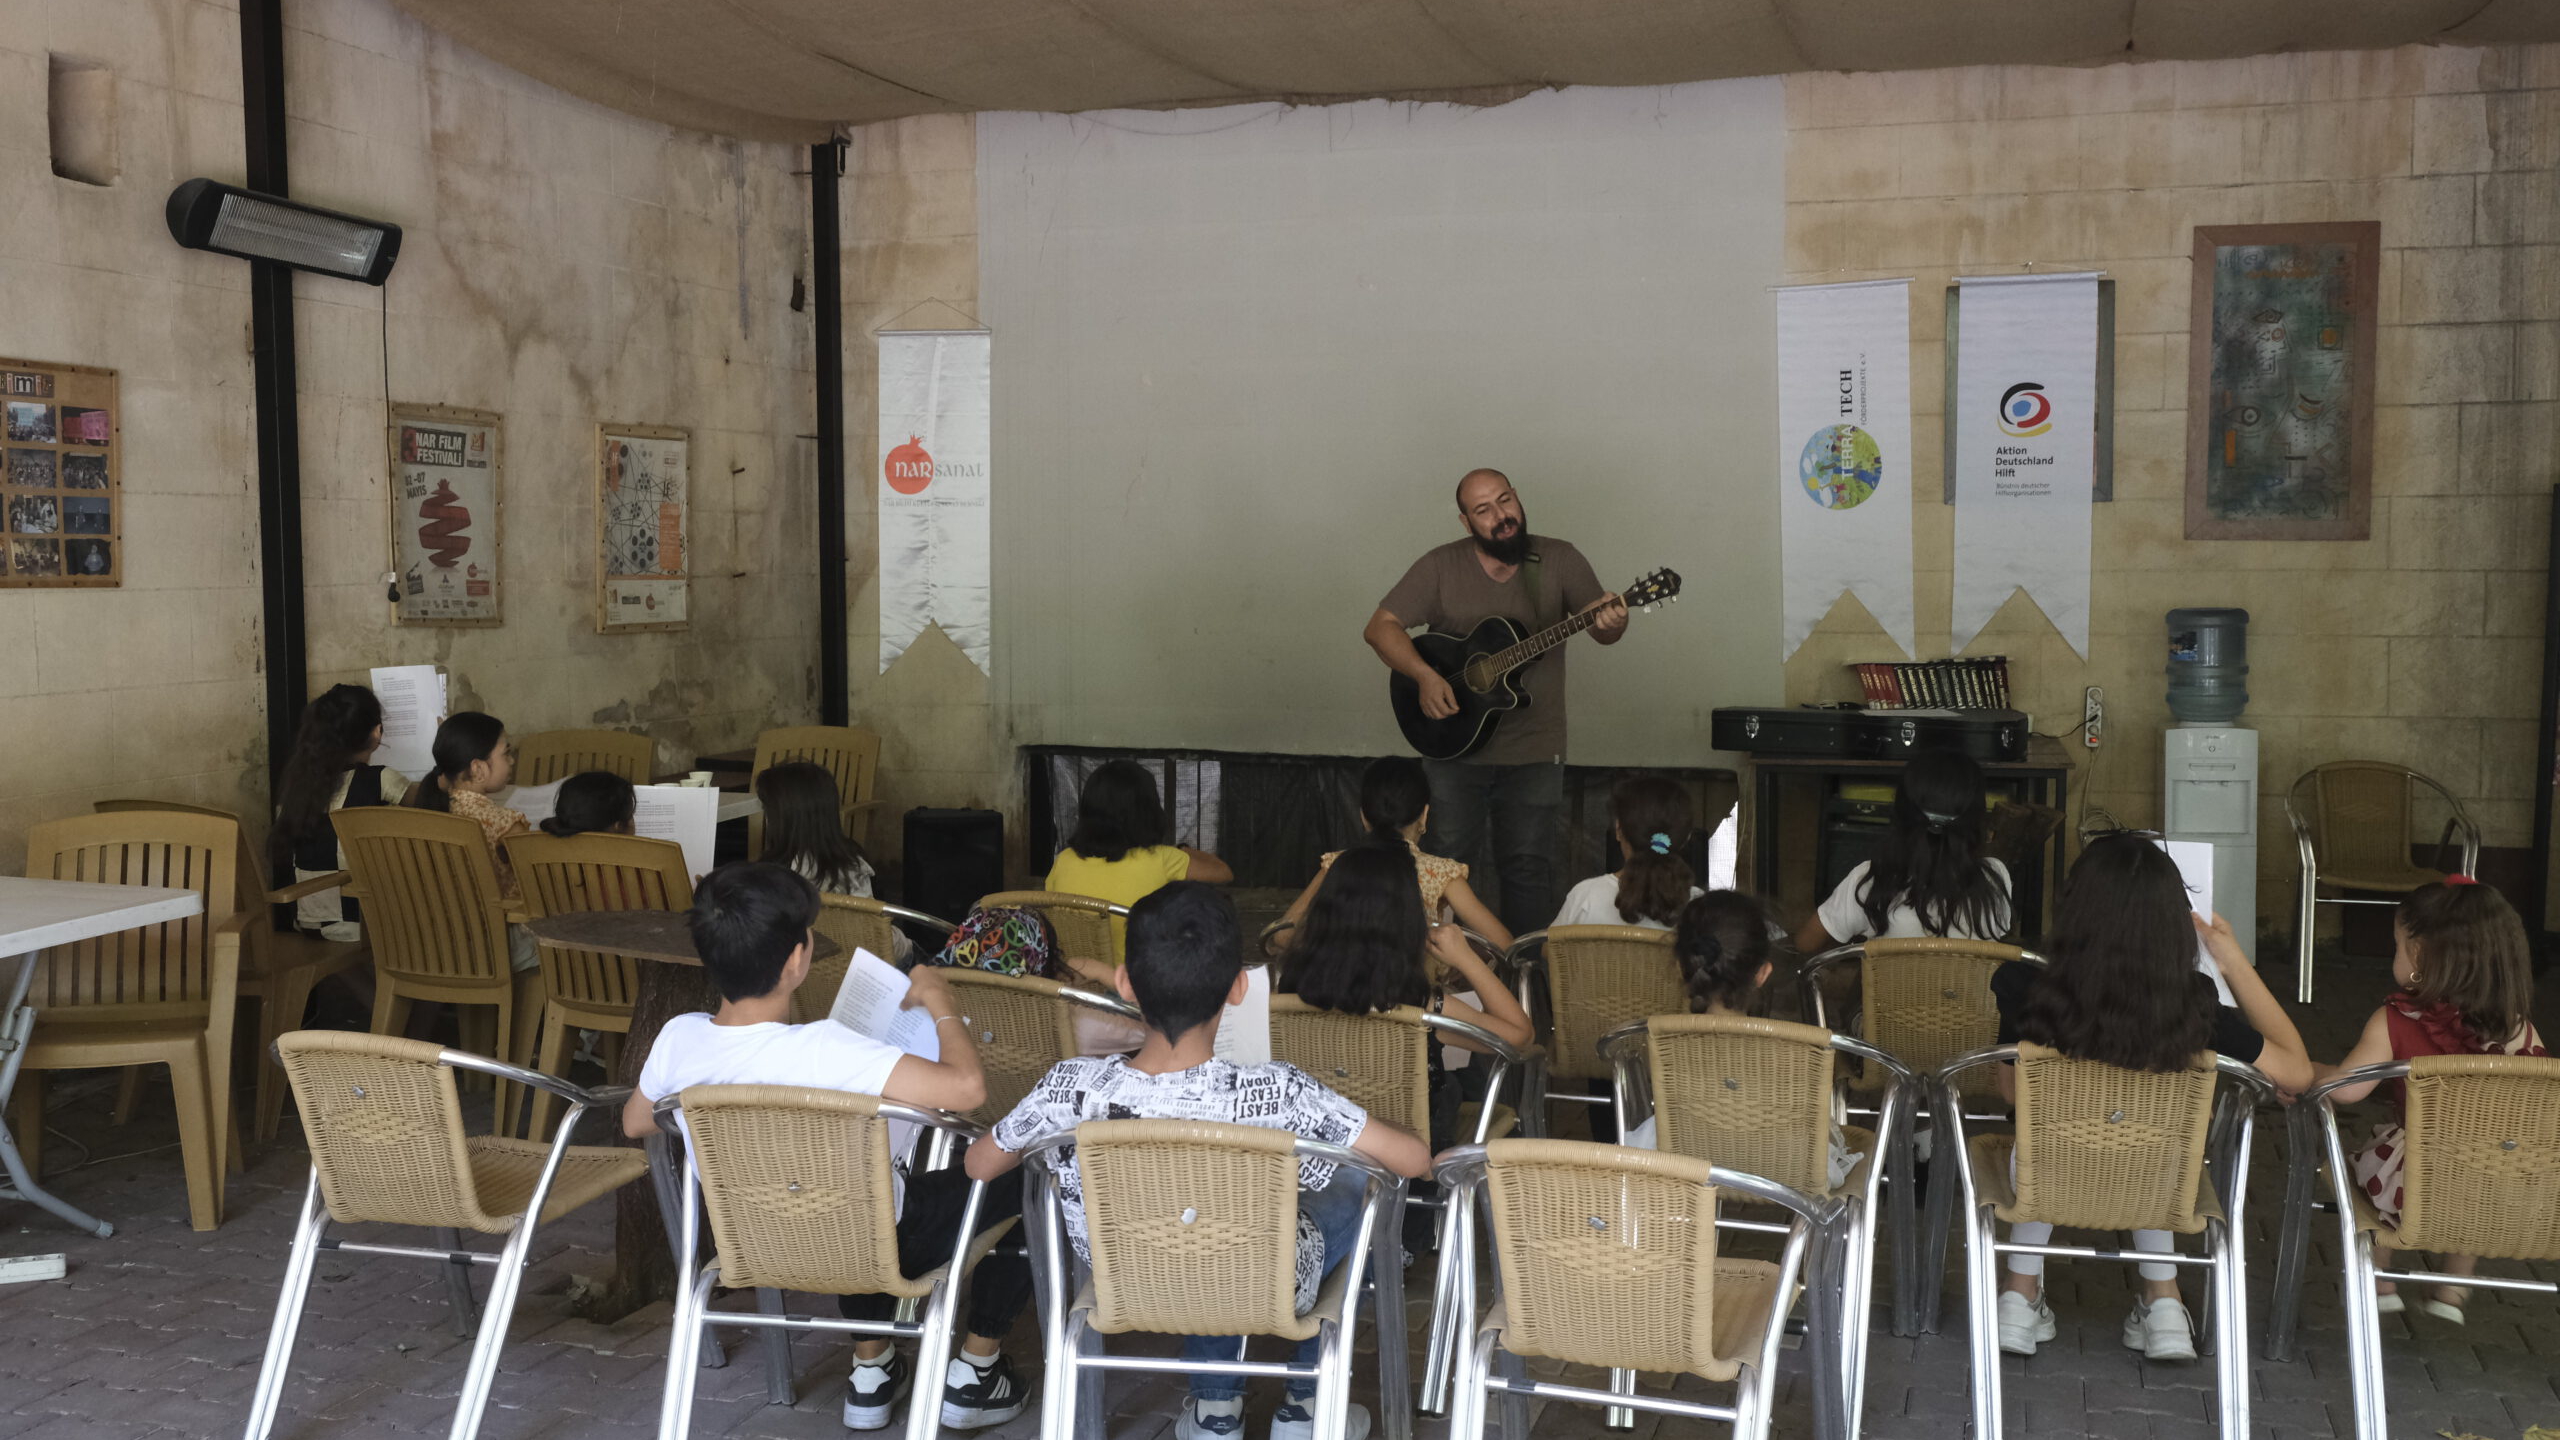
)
(1511, 550)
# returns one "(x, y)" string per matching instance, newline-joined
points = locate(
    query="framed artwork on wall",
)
(61, 471)
(644, 516)
(2280, 381)
(446, 500)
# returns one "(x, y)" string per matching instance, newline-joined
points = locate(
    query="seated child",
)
(751, 924)
(1395, 809)
(1185, 965)
(592, 802)
(475, 760)
(1653, 821)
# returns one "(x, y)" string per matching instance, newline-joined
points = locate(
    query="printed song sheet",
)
(687, 814)
(413, 700)
(872, 1002)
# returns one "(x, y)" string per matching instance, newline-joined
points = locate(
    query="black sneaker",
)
(974, 1397)
(873, 1390)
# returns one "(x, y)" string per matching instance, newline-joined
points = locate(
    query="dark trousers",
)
(1511, 815)
(927, 1230)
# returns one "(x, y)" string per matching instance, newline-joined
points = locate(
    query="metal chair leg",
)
(675, 1404)
(1386, 1278)
(2231, 1353)
(2293, 1235)
(777, 1351)
(1983, 1310)
(1089, 1407)
(1826, 1338)
(1936, 1220)
(2364, 1336)
(1901, 1195)
(2306, 920)
(298, 1266)
(457, 1283)
(482, 1372)
(662, 1177)
(1445, 1349)
(933, 1357)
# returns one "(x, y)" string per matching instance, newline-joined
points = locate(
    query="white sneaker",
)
(1209, 1419)
(873, 1390)
(1295, 1420)
(2024, 1323)
(2161, 1330)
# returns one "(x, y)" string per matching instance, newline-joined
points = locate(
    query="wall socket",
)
(2093, 715)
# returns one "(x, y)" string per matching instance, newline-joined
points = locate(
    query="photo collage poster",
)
(644, 518)
(444, 515)
(59, 468)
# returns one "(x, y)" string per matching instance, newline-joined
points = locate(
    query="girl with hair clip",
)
(2465, 973)
(2123, 990)
(1930, 877)
(473, 762)
(1654, 822)
(330, 770)
(1395, 808)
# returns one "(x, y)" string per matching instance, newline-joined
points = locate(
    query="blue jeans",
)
(1520, 809)
(1335, 1211)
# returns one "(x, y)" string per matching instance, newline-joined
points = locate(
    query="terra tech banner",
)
(1844, 453)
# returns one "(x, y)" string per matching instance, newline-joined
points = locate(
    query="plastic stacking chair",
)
(438, 927)
(559, 754)
(851, 755)
(387, 1147)
(1087, 929)
(1758, 1095)
(589, 989)
(798, 1190)
(1925, 1002)
(2480, 1175)
(2351, 822)
(2103, 1148)
(1606, 1256)
(278, 966)
(1585, 981)
(854, 922)
(1193, 1231)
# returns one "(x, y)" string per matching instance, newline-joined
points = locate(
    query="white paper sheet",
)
(872, 1002)
(2195, 866)
(1244, 1030)
(536, 803)
(413, 700)
(689, 815)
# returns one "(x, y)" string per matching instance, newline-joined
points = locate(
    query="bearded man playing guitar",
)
(1511, 781)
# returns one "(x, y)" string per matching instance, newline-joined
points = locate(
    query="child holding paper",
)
(751, 925)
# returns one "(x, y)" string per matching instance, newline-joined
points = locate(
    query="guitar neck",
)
(1515, 656)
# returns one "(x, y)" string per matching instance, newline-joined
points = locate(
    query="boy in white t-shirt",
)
(751, 925)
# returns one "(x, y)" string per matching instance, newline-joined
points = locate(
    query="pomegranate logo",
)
(908, 469)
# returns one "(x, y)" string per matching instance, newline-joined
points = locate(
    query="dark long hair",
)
(2472, 955)
(1931, 860)
(337, 727)
(804, 824)
(2123, 988)
(1393, 794)
(460, 740)
(591, 802)
(1722, 940)
(1359, 949)
(1654, 819)
(1118, 812)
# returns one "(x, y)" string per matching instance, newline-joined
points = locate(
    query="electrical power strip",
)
(2093, 715)
(18, 1269)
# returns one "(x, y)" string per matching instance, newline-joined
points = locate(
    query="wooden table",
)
(37, 914)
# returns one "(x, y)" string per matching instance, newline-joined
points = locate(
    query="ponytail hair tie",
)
(2459, 879)
(1938, 823)
(1660, 843)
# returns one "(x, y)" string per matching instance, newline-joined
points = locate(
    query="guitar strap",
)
(1529, 575)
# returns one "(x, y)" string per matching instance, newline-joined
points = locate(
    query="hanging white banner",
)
(1844, 453)
(2026, 446)
(934, 479)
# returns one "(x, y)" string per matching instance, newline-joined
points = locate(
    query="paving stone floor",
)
(158, 1331)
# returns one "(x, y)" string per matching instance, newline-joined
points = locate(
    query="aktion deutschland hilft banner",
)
(2026, 446)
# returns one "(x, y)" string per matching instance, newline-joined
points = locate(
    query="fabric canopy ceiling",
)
(797, 69)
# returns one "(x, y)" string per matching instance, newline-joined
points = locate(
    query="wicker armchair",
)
(1087, 929)
(851, 755)
(387, 1147)
(854, 922)
(797, 1187)
(1024, 1026)
(1580, 982)
(1758, 1094)
(1193, 1231)
(589, 989)
(2103, 1148)
(559, 754)
(2351, 823)
(1606, 1256)
(2480, 1175)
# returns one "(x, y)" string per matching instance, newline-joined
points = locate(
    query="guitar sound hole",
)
(1475, 677)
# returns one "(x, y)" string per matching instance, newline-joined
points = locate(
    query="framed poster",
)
(644, 500)
(60, 473)
(445, 499)
(2280, 381)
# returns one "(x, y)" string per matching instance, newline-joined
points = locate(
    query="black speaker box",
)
(953, 857)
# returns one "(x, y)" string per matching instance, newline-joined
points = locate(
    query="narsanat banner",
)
(934, 478)
(1844, 453)
(2026, 448)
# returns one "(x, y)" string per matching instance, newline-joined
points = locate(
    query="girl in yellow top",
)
(1118, 851)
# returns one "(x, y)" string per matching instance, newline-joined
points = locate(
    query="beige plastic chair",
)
(796, 1186)
(854, 922)
(2103, 1148)
(851, 755)
(1606, 1257)
(2480, 1175)
(438, 927)
(278, 968)
(1584, 981)
(2351, 821)
(589, 989)
(559, 754)
(1758, 1096)
(164, 994)
(387, 1147)
(1193, 1230)
(1087, 929)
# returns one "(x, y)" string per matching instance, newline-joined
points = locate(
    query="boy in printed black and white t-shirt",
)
(1184, 967)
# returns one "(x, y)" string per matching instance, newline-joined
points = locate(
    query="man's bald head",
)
(1484, 482)
(1493, 515)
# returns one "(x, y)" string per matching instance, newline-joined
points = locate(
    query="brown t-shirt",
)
(1448, 591)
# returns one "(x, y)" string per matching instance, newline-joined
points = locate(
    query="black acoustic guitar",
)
(1479, 667)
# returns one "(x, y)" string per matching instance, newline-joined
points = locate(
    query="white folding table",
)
(36, 914)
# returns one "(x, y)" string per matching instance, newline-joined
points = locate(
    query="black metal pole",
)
(2546, 753)
(835, 700)
(272, 382)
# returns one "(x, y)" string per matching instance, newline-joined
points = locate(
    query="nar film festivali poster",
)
(2025, 448)
(934, 485)
(444, 515)
(1844, 453)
